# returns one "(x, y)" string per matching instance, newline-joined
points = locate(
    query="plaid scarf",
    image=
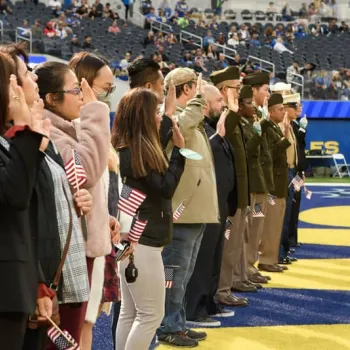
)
(75, 288)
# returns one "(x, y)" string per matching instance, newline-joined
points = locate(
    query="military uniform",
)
(234, 268)
(270, 240)
(260, 176)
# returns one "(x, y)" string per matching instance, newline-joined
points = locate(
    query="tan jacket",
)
(91, 139)
(197, 187)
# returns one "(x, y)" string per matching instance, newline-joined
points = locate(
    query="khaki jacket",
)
(278, 145)
(91, 139)
(197, 187)
(253, 141)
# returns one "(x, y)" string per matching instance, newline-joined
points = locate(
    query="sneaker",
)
(198, 336)
(179, 339)
(205, 322)
(222, 312)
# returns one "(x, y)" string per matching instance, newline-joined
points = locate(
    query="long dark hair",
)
(7, 67)
(135, 127)
(86, 65)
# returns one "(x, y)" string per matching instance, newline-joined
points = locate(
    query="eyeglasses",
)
(237, 88)
(75, 91)
(106, 91)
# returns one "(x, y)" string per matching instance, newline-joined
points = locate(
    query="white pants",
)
(142, 308)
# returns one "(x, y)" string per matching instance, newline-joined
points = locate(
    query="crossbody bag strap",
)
(57, 278)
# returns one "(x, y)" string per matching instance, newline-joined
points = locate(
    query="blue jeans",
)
(182, 252)
(284, 248)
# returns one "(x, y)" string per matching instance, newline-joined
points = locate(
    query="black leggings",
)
(12, 329)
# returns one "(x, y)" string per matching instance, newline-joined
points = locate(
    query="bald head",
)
(215, 101)
(211, 92)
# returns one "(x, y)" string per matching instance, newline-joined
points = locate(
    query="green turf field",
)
(327, 180)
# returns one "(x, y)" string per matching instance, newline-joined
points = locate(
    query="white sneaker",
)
(205, 322)
(224, 313)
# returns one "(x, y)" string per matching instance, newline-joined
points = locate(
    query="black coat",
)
(19, 268)
(300, 136)
(226, 182)
(156, 208)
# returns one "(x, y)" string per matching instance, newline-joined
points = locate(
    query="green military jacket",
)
(253, 141)
(234, 134)
(266, 159)
(278, 145)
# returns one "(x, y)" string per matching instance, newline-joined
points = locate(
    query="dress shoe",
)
(284, 261)
(243, 288)
(239, 298)
(270, 268)
(283, 267)
(233, 301)
(257, 279)
(256, 285)
(292, 258)
(291, 251)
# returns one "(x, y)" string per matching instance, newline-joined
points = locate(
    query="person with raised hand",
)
(233, 269)
(144, 168)
(278, 143)
(259, 82)
(292, 106)
(20, 155)
(54, 200)
(94, 70)
(80, 125)
(201, 304)
(197, 193)
(254, 134)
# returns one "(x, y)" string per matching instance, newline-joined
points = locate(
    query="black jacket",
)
(156, 208)
(19, 268)
(300, 136)
(224, 170)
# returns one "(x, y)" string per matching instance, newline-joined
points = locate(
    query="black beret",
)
(229, 73)
(246, 92)
(257, 79)
(275, 99)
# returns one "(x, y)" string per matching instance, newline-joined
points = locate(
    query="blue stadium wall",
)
(329, 126)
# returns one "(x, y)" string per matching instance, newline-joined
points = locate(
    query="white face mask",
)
(105, 98)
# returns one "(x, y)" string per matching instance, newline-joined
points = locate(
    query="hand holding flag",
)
(297, 183)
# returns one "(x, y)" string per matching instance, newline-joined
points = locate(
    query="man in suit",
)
(253, 136)
(233, 269)
(259, 83)
(278, 143)
(300, 134)
(291, 103)
(201, 290)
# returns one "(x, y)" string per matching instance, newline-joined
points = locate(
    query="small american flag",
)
(308, 193)
(169, 276)
(130, 200)
(257, 212)
(271, 199)
(297, 183)
(178, 211)
(75, 171)
(61, 341)
(136, 230)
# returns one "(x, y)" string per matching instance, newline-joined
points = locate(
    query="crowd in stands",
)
(320, 83)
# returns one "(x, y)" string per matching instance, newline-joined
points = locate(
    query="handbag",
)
(34, 322)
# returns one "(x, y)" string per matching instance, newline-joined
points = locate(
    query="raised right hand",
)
(200, 89)
(170, 101)
(286, 124)
(178, 139)
(88, 93)
(19, 111)
(232, 100)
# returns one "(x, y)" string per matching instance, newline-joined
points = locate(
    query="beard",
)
(214, 114)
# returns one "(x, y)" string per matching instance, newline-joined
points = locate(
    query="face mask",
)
(105, 98)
